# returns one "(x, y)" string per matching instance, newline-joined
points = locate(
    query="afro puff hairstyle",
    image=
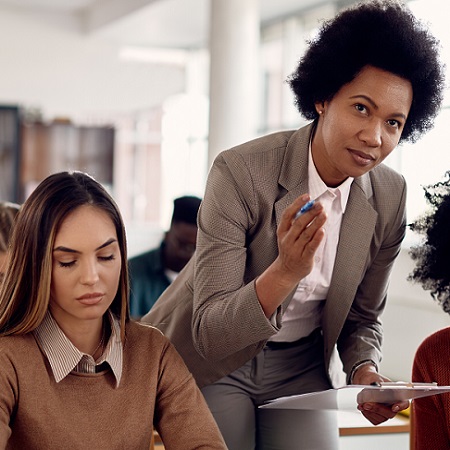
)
(384, 34)
(431, 256)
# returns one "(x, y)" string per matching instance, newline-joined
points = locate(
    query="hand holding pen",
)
(305, 208)
(299, 234)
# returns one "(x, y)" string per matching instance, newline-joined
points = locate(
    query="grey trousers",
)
(274, 373)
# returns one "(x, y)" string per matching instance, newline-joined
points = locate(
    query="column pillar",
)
(234, 45)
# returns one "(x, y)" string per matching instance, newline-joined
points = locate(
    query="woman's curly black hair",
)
(432, 255)
(384, 34)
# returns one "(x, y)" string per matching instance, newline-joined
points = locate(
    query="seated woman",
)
(73, 373)
(8, 212)
(431, 414)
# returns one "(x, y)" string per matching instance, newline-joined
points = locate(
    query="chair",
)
(152, 443)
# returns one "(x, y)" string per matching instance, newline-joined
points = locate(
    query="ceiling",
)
(156, 23)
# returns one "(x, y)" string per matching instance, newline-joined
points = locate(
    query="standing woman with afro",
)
(274, 303)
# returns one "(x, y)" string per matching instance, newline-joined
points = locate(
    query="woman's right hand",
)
(298, 240)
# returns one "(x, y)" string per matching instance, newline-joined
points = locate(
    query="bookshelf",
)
(30, 150)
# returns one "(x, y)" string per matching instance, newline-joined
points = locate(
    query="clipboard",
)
(348, 397)
(390, 393)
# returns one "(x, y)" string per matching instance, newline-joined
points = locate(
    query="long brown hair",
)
(25, 293)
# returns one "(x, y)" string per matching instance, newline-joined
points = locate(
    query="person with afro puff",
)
(431, 415)
(276, 302)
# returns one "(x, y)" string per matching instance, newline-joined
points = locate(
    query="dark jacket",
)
(147, 280)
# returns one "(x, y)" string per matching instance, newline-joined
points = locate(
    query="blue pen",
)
(306, 207)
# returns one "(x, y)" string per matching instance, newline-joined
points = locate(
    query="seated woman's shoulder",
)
(18, 346)
(17, 340)
(438, 337)
(144, 329)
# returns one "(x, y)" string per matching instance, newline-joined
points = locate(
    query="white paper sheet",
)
(348, 397)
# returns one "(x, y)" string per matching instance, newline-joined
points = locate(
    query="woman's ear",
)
(320, 107)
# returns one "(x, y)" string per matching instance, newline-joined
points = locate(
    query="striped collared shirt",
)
(65, 358)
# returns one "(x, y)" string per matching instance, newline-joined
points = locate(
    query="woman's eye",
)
(107, 258)
(66, 264)
(394, 123)
(360, 107)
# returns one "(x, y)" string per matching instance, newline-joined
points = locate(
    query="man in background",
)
(151, 272)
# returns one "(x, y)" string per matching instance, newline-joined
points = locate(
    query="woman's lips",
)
(91, 299)
(361, 158)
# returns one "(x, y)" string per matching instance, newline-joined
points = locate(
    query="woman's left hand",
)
(376, 413)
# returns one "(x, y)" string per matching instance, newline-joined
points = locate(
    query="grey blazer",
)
(211, 312)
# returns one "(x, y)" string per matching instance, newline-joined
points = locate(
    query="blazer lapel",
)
(357, 230)
(293, 178)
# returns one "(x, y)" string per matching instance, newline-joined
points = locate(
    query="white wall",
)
(48, 62)
(142, 237)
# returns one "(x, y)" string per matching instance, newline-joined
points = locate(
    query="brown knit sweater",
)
(432, 414)
(87, 411)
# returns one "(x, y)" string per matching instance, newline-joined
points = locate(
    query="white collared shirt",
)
(304, 312)
(65, 358)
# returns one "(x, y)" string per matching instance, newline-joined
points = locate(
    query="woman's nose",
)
(371, 133)
(89, 274)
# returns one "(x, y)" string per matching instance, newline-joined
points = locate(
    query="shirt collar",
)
(317, 187)
(64, 357)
